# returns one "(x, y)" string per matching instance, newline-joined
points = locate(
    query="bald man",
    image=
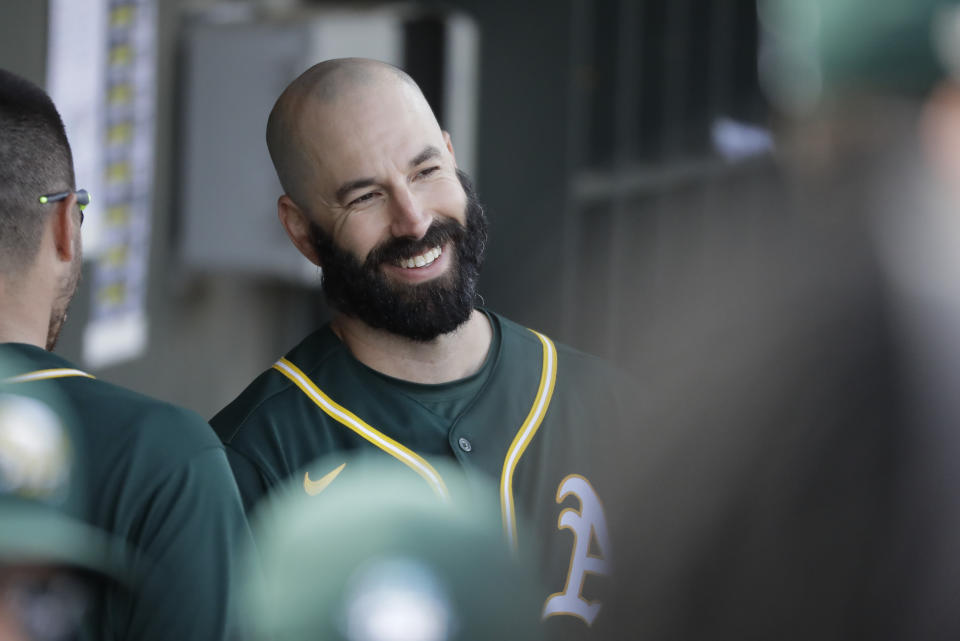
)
(411, 367)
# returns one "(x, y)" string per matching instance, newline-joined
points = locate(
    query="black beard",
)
(419, 312)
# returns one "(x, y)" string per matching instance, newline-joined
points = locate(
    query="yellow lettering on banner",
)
(121, 93)
(112, 294)
(589, 524)
(118, 215)
(118, 171)
(121, 55)
(116, 256)
(120, 133)
(121, 16)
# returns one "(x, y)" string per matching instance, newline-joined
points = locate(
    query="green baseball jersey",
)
(538, 420)
(156, 477)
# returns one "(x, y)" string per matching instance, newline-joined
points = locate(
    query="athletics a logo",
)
(589, 526)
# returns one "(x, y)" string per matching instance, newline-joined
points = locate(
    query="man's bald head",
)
(322, 86)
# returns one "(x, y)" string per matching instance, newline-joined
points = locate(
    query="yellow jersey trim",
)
(347, 418)
(548, 378)
(45, 374)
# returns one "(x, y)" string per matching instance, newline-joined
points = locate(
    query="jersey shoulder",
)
(581, 378)
(519, 339)
(113, 412)
(271, 387)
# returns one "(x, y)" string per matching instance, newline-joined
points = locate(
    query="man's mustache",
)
(439, 233)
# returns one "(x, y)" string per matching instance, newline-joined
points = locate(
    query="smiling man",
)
(410, 367)
(374, 197)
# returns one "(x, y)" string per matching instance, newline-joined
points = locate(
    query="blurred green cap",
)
(892, 43)
(378, 556)
(40, 481)
(815, 46)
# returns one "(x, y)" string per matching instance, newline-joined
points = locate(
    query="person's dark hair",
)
(35, 159)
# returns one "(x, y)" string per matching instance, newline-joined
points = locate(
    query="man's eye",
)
(362, 199)
(427, 172)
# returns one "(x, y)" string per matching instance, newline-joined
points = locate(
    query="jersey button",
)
(464, 444)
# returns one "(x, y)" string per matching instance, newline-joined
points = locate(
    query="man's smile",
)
(420, 268)
(421, 260)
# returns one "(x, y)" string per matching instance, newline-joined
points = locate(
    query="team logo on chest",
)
(589, 528)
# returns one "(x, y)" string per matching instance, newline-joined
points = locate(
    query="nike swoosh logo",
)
(315, 487)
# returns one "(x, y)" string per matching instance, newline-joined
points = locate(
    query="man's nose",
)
(408, 216)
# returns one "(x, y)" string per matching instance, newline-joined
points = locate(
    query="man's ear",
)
(297, 224)
(65, 226)
(446, 139)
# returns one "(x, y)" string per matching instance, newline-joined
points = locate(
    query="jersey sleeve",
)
(193, 530)
(251, 481)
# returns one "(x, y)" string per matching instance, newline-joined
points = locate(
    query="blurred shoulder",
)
(115, 411)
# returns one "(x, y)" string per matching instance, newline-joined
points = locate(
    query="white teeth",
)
(422, 260)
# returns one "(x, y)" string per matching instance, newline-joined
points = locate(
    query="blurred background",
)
(593, 129)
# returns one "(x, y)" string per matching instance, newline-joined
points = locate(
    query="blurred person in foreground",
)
(361, 563)
(156, 477)
(821, 494)
(50, 561)
(410, 364)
